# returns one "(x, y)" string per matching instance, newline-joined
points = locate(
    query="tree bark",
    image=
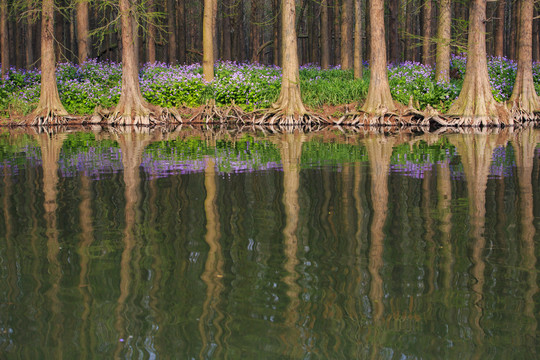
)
(29, 42)
(132, 109)
(426, 40)
(4, 41)
(475, 105)
(83, 28)
(50, 110)
(347, 34)
(358, 66)
(499, 29)
(393, 29)
(208, 40)
(171, 28)
(275, 31)
(379, 95)
(325, 37)
(442, 56)
(151, 39)
(181, 17)
(289, 102)
(337, 33)
(524, 94)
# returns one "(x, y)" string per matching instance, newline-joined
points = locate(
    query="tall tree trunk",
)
(358, 66)
(4, 41)
(132, 109)
(215, 29)
(524, 95)
(50, 110)
(226, 53)
(181, 17)
(378, 96)
(276, 51)
(426, 40)
(151, 38)
(208, 41)
(475, 105)
(499, 29)
(171, 28)
(442, 55)
(514, 23)
(289, 103)
(393, 29)
(29, 42)
(337, 33)
(325, 36)
(347, 34)
(83, 27)
(255, 36)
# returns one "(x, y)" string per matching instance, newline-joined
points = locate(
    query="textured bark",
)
(208, 41)
(337, 33)
(524, 94)
(289, 101)
(378, 96)
(426, 40)
(475, 105)
(347, 34)
(181, 17)
(171, 28)
(225, 33)
(255, 35)
(393, 43)
(151, 40)
(132, 109)
(358, 66)
(498, 47)
(29, 51)
(4, 41)
(325, 36)
(83, 28)
(50, 110)
(275, 32)
(442, 56)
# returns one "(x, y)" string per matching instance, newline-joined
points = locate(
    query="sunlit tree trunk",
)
(378, 95)
(358, 66)
(347, 17)
(83, 28)
(132, 109)
(289, 103)
(50, 110)
(442, 53)
(524, 95)
(4, 43)
(208, 41)
(171, 28)
(499, 29)
(476, 105)
(426, 40)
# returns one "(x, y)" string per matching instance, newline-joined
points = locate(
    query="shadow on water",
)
(209, 242)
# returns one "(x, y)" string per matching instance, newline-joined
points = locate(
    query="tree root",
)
(47, 117)
(521, 115)
(278, 117)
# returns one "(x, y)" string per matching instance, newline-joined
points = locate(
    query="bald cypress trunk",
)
(378, 96)
(442, 55)
(358, 66)
(4, 56)
(426, 42)
(151, 38)
(171, 28)
(325, 36)
(476, 105)
(346, 34)
(499, 29)
(208, 40)
(83, 28)
(50, 110)
(524, 94)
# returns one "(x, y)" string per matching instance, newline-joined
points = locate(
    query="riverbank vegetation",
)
(93, 84)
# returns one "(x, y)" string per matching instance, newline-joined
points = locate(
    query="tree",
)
(346, 34)
(499, 29)
(151, 39)
(83, 28)
(476, 105)
(524, 98)
(208, 40)
(289, 108)
(325, 37)
(442, 55)
(4, 56)
(378, 97)
(426, 40)
(132, 109)
(358, 66)
(50, 110)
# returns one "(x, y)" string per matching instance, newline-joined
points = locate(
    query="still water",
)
(191, 244)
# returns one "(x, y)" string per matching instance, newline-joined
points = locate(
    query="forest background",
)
(333, 34)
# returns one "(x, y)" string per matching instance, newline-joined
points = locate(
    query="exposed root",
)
(521, 115)
(48, 117)
(382, 117)
(279, 117)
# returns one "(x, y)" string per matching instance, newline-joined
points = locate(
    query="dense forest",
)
(348, 34)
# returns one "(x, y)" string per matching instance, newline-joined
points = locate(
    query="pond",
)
(208, 244)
